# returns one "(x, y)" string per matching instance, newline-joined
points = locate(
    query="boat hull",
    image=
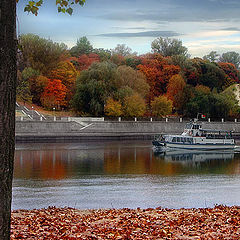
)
(208, 146)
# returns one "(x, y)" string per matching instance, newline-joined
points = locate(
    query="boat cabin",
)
(192, 129)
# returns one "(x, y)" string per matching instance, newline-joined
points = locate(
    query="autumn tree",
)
(118, 59)
(201, 89)
(175, 85)
(158, 71)
(54, 94)
(67, 74)
(168, 47)
(134, 106)
(8, 79)
(232, 75)
(175, 91)
(161, 106)
(113, 108)
(84, 61)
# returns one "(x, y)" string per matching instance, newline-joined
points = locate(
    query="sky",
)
(202, 25)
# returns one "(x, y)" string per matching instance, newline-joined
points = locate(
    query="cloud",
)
(175, 11)
(142, 34)
(231, 29)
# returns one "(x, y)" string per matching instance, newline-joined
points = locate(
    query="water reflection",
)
(58, 161)
(122, 174)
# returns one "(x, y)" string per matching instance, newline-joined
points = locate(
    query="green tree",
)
(83, 46)
(134, 106)
(168, 47)
(39, 53)
(104, 54)
(231, 57)
(212, 104)
(94, 86)
(133, 79)
(123, 92)
(161, 106)
(8, 79)
(213, 56)
(212, 76)
(23, 89)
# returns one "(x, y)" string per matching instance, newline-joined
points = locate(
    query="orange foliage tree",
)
(158, 72)
(113, 108)
(54, 94)
(176, 84)
(175, 90)
(67, 74)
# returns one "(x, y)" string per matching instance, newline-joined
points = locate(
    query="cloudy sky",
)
(202, 25)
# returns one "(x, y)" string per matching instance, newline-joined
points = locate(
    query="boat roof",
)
(216, 131)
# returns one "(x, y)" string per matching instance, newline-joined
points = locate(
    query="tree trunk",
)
(7, 110)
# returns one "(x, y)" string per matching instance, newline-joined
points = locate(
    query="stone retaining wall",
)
(92, 130)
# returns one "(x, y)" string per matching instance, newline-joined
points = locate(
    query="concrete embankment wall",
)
(77, 131)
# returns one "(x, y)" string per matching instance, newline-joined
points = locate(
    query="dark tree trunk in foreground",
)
(7, 110)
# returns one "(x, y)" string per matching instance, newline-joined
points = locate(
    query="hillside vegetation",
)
(119, 82)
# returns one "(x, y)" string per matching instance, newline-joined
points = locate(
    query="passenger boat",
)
(196, 138)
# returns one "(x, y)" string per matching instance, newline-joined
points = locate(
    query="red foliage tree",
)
(232, 74)
(158, 71)
(54, 94)
(84, 61)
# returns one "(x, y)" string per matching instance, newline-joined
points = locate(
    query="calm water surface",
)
(122, 174)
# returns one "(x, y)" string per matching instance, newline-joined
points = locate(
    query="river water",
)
(119, 174)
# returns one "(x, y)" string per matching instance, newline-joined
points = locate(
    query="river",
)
(122, 174)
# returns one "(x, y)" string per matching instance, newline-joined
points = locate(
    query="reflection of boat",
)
(194, 138)
(194, 156)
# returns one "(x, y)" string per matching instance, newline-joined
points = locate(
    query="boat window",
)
(178, 139)
(188, 126)
(174, 139)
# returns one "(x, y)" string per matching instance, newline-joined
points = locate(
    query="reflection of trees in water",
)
(56, 163)
(119, 158)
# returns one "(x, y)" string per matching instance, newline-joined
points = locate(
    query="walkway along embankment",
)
(62, 131)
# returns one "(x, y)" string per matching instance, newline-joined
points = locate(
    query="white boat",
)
(196, 138)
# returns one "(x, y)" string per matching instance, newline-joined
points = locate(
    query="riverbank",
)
(220, 222)
(75, 129)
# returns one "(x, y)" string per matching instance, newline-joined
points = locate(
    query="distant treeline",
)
(119, 82)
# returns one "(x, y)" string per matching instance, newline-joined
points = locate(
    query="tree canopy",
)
(168, 47)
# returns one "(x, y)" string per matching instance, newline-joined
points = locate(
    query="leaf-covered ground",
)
(220, 222)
